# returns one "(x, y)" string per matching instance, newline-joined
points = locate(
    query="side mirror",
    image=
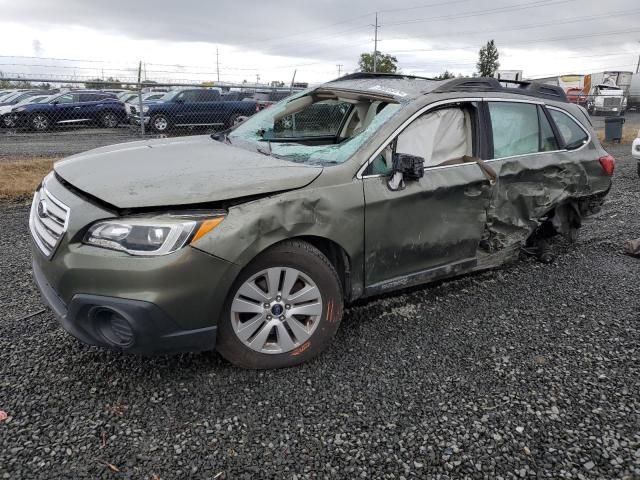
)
(180, 100)
(405, 167)
(55, 102)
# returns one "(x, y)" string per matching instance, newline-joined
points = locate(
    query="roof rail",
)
(489, 84)
(360, 75)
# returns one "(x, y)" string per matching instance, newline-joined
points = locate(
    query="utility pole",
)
(375, 47)
(339, 69)
(257, 79)
(218, 64)
(140, 112)
(638, 67)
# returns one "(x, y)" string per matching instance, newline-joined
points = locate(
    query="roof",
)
(405, 88)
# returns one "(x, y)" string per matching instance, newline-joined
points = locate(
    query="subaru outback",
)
(253, 240)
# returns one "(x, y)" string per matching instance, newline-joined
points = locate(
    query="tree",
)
(277, 83)
(488, 62)
(97, 83)
(385, 63)
(446, 75)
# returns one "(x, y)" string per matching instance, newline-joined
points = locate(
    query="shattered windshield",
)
(312, 130)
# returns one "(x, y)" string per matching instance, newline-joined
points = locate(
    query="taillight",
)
(608, 164)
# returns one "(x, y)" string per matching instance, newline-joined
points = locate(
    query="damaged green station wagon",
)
(252, 241)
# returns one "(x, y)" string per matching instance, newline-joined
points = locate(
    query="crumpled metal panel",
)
(191, 170)
(531, 186)
(330, 209)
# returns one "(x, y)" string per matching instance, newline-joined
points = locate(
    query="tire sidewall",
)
(325, 278)
(152, 123)
(105, 120)
(45, 118)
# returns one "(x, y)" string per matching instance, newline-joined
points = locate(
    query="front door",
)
(433, 226)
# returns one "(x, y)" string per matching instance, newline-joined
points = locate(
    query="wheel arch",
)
(336, 254)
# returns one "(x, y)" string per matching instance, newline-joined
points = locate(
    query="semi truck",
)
(607, 92)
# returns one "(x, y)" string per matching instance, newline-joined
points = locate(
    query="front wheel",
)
(40, 122)
(160, 123)
(284, 308)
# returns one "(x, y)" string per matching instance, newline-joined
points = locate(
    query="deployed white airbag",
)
(438, 136)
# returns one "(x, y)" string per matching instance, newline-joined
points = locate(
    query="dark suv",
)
(75, 107)
(194, 107)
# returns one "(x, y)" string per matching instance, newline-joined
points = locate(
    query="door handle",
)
(77, 108)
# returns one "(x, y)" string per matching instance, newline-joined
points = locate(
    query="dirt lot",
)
(532, 371)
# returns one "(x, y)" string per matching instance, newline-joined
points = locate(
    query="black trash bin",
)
(613, 129)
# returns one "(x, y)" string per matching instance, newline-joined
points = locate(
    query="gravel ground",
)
(532, 371)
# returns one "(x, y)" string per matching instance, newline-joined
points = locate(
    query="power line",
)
(529, 26)
(536, 3)
(528, 42)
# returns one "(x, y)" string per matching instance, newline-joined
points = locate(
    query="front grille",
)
(612, 102)
(47, 221)
(134, 110)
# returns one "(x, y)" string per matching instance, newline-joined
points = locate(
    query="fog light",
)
(113, 327)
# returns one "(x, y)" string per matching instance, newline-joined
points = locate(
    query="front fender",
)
(334, 213)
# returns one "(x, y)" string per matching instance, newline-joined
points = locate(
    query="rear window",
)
(520, 129)
(572, 134)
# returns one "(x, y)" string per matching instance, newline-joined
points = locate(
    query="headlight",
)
(19, 109)
(150, 235)
(145, 109)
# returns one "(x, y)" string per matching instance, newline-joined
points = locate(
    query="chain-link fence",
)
(67, 119)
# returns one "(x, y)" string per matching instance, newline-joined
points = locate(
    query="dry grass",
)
(19, 178)
(629, 134)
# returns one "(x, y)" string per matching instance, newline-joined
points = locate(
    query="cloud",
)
(427, 36)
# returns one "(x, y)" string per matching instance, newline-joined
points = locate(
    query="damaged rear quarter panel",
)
(531, 186)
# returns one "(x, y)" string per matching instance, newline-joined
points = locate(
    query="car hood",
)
(184, 171)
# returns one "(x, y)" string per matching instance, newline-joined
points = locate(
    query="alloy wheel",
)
(276, 310)
(110, 120)
(160, 124)
(40, 122)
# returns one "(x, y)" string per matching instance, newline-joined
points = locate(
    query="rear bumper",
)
(132, 325)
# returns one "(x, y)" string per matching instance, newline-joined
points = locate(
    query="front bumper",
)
(132, 325)
(135, 120)
(169, 303)
(635, 149)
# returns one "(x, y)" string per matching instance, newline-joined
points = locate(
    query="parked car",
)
(19, 96)
(577, 96)
(133, 100)
(74, 107)
(635, 150)
(191, 107)
(252, 241)
(6, 117)
(266, 98)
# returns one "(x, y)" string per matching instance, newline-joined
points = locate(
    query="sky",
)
(269, 41)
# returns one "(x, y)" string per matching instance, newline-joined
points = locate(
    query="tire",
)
(160, 123)
(235, 119)
(7, 121)
(40, 122)
(109, 120)
(281, 338)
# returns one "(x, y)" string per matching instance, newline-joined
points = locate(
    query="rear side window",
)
(516, 129)
(573, 135)
(548, 141)
(88, 97)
